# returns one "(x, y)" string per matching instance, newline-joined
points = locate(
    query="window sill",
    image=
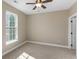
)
(10, 42)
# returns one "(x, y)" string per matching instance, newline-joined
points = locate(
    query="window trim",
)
(16, 24)
(10, 42)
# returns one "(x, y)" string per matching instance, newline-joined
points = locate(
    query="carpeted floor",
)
(42, 52)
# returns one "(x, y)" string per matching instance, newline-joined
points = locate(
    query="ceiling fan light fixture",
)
(38, 4)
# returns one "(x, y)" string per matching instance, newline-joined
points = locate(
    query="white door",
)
(72, 32)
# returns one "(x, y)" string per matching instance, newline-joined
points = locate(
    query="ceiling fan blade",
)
(46, 1)
(38, 1)
(34, 8)
(43, 6)
(30, 3)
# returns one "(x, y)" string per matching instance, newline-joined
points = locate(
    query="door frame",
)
(69, 30)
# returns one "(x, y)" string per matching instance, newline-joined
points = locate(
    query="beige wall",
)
(73, 9)
(49, 27)
(22, 26)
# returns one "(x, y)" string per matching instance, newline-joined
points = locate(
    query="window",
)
(11, 27)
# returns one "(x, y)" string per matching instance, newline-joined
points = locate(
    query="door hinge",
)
(71, 45)
(71, 33)
(71, 21)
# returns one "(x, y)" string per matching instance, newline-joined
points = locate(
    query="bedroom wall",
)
(49, 27)
(22, 26)
(73, 9)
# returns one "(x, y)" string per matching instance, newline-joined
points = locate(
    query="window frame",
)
(16, 27)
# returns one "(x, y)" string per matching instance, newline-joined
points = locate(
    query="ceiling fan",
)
(39, 3)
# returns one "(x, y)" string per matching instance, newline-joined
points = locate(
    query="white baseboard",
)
(35, 42)
(13, 48)
(49, 44)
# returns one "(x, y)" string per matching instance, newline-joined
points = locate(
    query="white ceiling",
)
(55, 5)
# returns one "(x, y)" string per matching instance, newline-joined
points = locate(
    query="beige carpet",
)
(42, 52)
